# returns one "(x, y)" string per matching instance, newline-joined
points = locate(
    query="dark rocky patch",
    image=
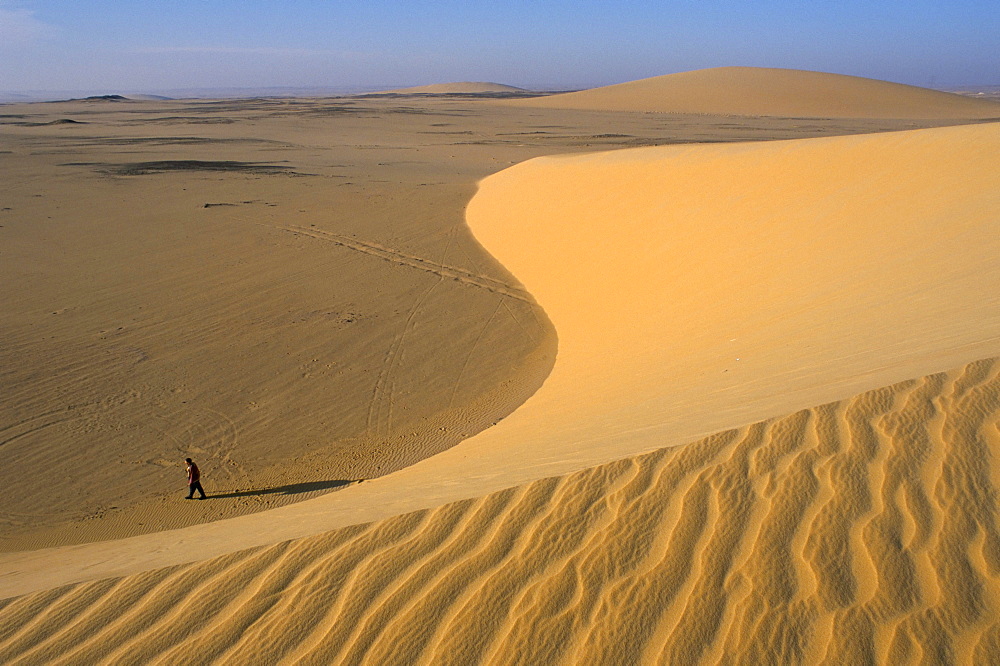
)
(165, 166)
(189, 120)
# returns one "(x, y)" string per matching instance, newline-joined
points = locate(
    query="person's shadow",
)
(291, 489)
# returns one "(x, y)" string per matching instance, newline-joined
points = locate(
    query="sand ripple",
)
(860, 531)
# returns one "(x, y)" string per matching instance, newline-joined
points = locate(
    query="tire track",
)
(379, 423)
(442, 270)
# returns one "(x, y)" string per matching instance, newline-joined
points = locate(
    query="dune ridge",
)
(758, 91)
(860, 531)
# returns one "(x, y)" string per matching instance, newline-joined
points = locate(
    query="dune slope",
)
(757, 91)
(703, 287)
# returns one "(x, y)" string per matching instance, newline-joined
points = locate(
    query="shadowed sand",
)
(699, 289)
(757, 91)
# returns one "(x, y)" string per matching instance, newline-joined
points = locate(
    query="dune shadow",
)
(291, 489)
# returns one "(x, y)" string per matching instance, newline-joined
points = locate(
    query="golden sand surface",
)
(693, 289)
(859, 531)
(284, 290)
(759, 91)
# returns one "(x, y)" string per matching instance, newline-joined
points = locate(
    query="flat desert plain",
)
(695, 369)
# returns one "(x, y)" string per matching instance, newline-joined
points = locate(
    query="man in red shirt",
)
(194, 479)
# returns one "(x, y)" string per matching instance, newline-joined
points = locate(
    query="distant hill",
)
(979, 92)
(71, 96)
(104, 98)
(142, 97)
(460, 88)
(754, 91)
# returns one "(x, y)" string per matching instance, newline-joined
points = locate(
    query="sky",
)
(157, 45)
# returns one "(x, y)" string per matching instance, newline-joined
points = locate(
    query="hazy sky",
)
(148, 45)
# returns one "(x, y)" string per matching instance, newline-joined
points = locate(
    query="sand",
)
(284, 290)
(837, 294)
(853, 532)
(758, 91)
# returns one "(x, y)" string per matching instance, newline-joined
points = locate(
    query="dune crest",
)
(757, 91)
(704, 287)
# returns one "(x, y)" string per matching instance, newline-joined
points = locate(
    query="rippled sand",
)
(860, 530)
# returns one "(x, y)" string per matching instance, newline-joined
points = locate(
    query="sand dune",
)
(836, 294)
(754, 91)
(284, 290)
(707, 286)
(859, 531)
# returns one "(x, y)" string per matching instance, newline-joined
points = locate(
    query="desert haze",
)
(694, 369)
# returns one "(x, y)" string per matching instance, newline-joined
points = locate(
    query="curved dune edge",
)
(759, 91)
(858, 531)
(690, 298)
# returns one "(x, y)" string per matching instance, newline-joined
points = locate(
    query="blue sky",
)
(149, 45)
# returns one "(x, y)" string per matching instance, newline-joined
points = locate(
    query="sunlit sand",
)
(475, 380)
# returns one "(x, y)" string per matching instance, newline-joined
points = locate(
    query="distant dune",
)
(752, 91)
(459, 88)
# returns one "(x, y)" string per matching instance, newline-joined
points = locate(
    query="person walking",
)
(194, 479)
